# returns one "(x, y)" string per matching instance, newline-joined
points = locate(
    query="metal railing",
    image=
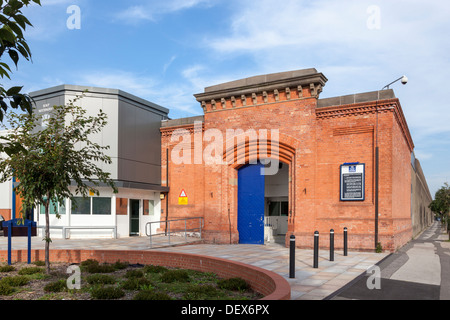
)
(170, 232)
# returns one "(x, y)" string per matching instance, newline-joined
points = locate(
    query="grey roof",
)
(57, 90)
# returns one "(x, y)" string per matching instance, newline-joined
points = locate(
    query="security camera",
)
(404, 80)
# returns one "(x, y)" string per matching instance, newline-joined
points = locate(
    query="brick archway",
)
(249, 150)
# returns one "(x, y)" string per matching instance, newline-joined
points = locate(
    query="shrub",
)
(134, 274)
(234, 284)
(107, 293)
(151, 295)
(135, 283)
(175, 275)
(120, 265)
(89, 262)
(379, 248)
(15, 281)
(154, 269)
(56, 286)
(7, 268)
(39, 263)
(100, 268)
(100, 279)
(5, 289)
(201, 292)
(30, 270)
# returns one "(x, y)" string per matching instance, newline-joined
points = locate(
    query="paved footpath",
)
(418, 271)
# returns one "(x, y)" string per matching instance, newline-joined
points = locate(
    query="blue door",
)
(251, 204)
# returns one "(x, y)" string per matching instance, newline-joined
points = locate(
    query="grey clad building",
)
(134, 140)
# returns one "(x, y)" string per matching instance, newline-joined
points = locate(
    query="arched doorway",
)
(263, 203)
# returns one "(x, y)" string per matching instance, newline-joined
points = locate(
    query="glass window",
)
(101, 206)
(149, 206)
(81, 205)
(274, 209)
(61, 209)
(284, 209)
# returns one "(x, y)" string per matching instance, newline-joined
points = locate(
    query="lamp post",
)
(404, 81)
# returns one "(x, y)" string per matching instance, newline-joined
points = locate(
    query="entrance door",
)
(134, 217)
(251, 205)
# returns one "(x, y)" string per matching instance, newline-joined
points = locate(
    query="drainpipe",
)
(167, 185)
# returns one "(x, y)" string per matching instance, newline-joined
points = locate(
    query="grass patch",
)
(107, 293)
(100, 279)
(56, 286)
(30, 270)
(7, 268)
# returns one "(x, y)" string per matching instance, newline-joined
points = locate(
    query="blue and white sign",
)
(353, 182)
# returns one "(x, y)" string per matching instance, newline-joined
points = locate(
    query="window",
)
(81, 205)
(149, 207)
(101, 206)
(60, 208)
(91, 205)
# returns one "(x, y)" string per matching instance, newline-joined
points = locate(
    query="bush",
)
(134, 274)
(39, 263)
(234, 284)
(100, 268)
(30, 270)
(135, 283)
(7, 268)
(16, 281)
(100, 279)
(154, 269)
(379, 248)
(56, 286)
(175, 275)
(120, 265)
(89, 262)
(107, 293)
(5, 289)
(201, 292)
(151, 295)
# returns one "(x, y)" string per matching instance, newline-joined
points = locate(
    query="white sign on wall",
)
(353, 181)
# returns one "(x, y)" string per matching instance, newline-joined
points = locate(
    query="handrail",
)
(168, 232)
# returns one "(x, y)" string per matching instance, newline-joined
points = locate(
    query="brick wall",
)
(314, 142)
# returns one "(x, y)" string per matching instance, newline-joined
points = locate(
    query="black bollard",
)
(292, 258)
(345, 242)
(316, 249)
(331, 245)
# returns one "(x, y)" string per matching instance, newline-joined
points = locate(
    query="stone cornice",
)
(260, 90)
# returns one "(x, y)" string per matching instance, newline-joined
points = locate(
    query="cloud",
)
(336, 38)
(176, 95)
(153, 10)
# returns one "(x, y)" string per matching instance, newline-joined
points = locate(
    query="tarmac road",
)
(418, 271)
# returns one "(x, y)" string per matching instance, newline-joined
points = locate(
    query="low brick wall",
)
(268, 283)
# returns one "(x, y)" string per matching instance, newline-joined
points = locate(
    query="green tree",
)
(441, 204)
(13, 24)
(55, 157)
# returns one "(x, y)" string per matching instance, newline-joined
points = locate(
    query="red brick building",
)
(280, 117)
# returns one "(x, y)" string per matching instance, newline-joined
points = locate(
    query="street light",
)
(404, 81)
